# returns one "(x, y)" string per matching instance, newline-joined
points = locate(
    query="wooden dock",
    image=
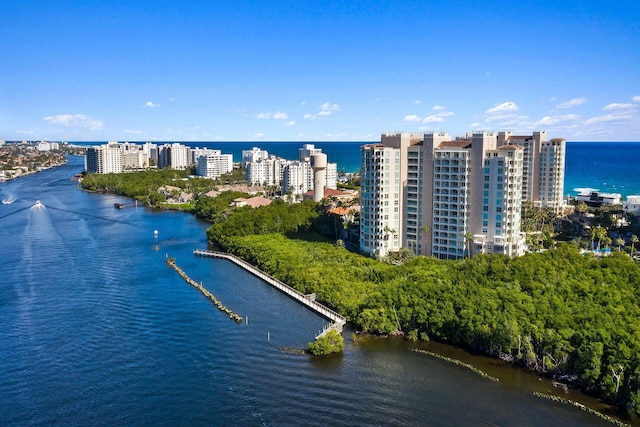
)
(126, 205)
(337, 321)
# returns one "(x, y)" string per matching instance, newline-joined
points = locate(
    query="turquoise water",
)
(606, 166)
(611, 167)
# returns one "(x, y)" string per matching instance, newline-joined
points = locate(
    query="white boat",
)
(7, 201)
(38, 204)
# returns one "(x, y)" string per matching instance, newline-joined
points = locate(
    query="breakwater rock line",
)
(578, 405)
(459, 363)
(233, 316)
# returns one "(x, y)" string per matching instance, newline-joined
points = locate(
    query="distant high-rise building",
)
(295, 178)
(265, 170)
(174, 156)
(103, 159)
(214, 163)
(253, 155)
(307, 151)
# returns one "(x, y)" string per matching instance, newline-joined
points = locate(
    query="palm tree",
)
(634, 240)
(468, 237)
(620, 243)
(597, 233)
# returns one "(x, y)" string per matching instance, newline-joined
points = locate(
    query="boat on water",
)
(38, 204)
(7, 201)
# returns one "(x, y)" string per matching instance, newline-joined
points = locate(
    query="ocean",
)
(610, 167)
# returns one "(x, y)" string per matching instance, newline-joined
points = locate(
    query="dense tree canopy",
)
(558, 312)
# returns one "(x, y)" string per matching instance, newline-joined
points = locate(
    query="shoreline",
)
(467, 351)
(28, 173)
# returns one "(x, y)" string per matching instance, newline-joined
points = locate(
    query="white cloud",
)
(437, 107)
(75, 120)
(433, 119)
(290, 123)
(25, 132)
(172, 99)
(618, 106)
(571, 103)
(636, 99)
(554, 120)
(150, 104)
(258, 135)
(310, 116)
(502, 108)
(327, 106)
(417, 102)
(277, 115)
(496, 117)
(303, 102)
(412, 118)
(324, 113)
(132, 132)
(608, 118)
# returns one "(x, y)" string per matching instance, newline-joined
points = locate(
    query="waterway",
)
(97, 330)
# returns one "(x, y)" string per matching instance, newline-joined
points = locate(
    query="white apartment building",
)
(332, 176)
(382, 175)
(214, 163)
(265, 171)
(632, 205)
(262, 168)
(451, 205)
(174, 156)
(295, 178)
(103, 159)
(501, 203)
(551, 175)
(134, 159)
(151, 150)
(46, 146)
(253, 155)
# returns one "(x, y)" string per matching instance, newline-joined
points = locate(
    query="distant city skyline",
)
(317, 71)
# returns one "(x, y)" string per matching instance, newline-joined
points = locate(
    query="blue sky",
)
(317, 71)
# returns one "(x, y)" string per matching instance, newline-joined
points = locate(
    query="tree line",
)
(558, 312)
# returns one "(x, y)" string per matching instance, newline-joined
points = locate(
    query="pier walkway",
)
(337, 320)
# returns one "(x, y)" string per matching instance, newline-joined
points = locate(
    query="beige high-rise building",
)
(451, 198)
(543, 168)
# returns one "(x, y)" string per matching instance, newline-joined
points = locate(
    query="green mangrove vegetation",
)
(560, 313)
(143, 186)
(331, 342)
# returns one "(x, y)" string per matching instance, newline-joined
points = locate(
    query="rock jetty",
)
(459, 363)
(233, 316)
(585, 408)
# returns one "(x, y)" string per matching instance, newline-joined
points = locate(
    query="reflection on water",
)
(98, 330)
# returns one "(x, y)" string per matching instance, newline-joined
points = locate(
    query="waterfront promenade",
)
(338, 321)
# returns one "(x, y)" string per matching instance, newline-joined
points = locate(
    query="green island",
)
(561, 312)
